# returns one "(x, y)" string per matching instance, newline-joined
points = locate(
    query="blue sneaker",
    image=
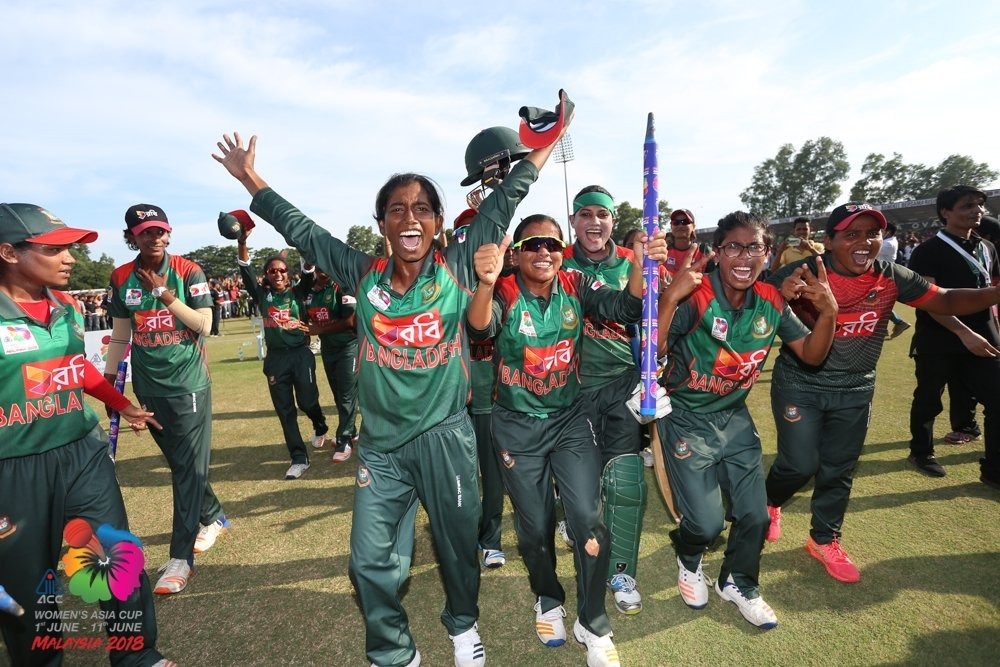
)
(210, 533)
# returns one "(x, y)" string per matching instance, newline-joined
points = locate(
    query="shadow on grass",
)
(965, 647)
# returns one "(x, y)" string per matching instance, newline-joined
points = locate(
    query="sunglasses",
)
(277, 270)
(536, 243)
(683, 221)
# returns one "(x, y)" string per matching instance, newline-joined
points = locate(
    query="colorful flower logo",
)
(104, 564)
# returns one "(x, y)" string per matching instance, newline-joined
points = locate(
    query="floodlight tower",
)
(563, 153)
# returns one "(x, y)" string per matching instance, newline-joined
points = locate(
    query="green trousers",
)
(40, 494)
(616, 429)
(438, 468)
(708, 455)
(291, 378)
(533, 451)
(492, 483)
(820, 435)
(341, 365)
(186, 442)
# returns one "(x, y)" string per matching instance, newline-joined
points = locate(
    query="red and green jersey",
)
(864, 303)
(168, 359)
(717, 351)
(327, 304)
(538, 340)
(606, 351)
(41, 397)
(280, 312)
(413, 350)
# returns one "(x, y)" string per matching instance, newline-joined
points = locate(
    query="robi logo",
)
(540, 361)
(738, 367)
(279, 315)
(421, 330)
(45, 377)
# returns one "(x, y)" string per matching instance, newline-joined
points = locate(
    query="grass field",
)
(275, 590)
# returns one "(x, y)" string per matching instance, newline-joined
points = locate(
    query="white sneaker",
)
(494, 558)
(208, 534)
(176, 574)
(412, 663)
(564, 533)
(318, 441)
(647, 457)
(295, 470)
(341, 455)
(756, 611)
(469, 651)
(601, 651)
(163, 662)
(627, 598)
(549, 625)
(692, 585)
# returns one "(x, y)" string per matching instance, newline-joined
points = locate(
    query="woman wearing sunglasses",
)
(290, 366)
(536, 319)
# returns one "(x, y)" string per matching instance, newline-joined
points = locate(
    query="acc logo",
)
(681, 450)
(540, 361)
(569, 318)
(792, 413)
(736, 366)
(7, 527)
(720, 327)
(430, 292)
(762, 328)
(133, 297)
(50, 587)
(506, 459)
(364, 477)
(420, 330)
(526, 327)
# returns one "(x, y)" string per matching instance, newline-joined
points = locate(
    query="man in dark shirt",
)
(965, 349)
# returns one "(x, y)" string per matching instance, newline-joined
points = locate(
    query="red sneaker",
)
(836, 561)
(774, 530)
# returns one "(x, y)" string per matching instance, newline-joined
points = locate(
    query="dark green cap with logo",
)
(28, 222)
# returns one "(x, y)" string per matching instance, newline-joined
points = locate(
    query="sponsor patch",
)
(198, 289)
(540, 361)
(17, 338)
(526, 327)
(51, 375)
(506, 459)
(7, 526)
(133, 297)
(792, 413)
(364, 477)
(681, 450)
(378, 297)
(596, 285)
(348, 300)
(154, 320)
(720, 327)
(420, 330)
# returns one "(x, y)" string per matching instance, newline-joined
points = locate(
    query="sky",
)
(110, 103)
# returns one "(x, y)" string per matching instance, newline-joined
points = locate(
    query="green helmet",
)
(494, 144)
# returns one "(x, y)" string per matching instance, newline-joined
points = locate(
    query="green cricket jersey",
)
(41, 398)
(279, 310)
(538, 340)
(483, 376)
(606, 351)
(327, 304)
(168, 359)
(716, 351)
(864, 305)
(413, 349)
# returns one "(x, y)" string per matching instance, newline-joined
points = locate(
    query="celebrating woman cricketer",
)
(541, 422)
(609, 375)
(821, 411)
(720, 327)
(412, 349)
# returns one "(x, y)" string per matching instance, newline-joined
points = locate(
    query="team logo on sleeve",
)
(364, 477)
(17, 338)
(506, 459)
(198, 289)
(720, 327)
(526, 327)
(761, 327)
(681, 449)
(792, 413)
(47, 377)
(133, 297)
(420, 330)
(154, 320)
(540, 361)
(569, 318)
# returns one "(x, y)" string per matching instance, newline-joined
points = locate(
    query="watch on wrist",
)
(157, 292)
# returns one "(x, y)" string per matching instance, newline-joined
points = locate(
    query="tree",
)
(366, 240)
(884, 181)
(220, 261)
(88, 274)
(792, 183)
(629, 217)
